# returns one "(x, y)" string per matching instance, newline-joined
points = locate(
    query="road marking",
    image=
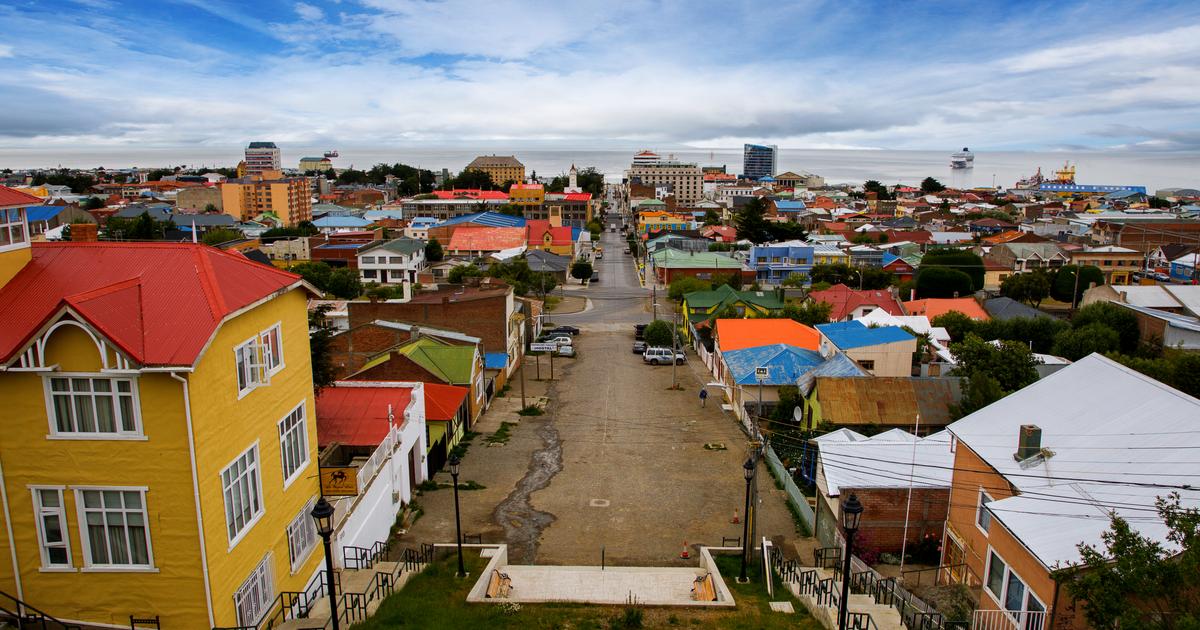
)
(600, 503)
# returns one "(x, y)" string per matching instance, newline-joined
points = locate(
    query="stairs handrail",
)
(38, 615)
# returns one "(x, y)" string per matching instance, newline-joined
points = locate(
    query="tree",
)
(931, 185)
(942, 282)
(210, 208)
(1134, 581)
(961, 260)
(834, 274)
(873, 186)
(795, 280)
(1120, 320)
(595, 228)
(711, 217)
(658, 333)
(92, 203)
(1079, 342)
(458, 274)
(751, 221)
(956, 324)
(220, 235)
(343, 283)
(979, 391)
(876, 278)
(581, 270)
(684, 285)
(433, 251)
(1064, 286)
(512, 210)
(1010, 363)
(786, 231)
(314, 273)
(1038, 333)
(140, 228)
(811, 313)
(1030, 288)
(319, 341)
(471, 178)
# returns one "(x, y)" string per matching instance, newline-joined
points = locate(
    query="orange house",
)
(1037, 473)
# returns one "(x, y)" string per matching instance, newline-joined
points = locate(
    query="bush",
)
(658, 333)
(684, 285)
(959, 260)
(1121, 320)
(942, 282)
(1080, 342)
(1064, 282)
(461, 272)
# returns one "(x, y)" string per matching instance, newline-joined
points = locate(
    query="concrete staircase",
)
(814, 591)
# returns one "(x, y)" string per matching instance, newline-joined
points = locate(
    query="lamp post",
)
(454, 462)
(748, 470)
(322, 513)
(851, 514)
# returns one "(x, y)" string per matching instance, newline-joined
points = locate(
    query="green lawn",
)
(436, 600)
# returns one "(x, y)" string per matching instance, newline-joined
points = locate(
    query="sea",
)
(1154, 170)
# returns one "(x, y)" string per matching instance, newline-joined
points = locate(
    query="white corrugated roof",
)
(1150, 296)
(840, 435)
(886, 461)
(1105, 427)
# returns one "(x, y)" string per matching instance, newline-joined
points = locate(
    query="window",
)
(12, 227)
(995, 575)
(255, 594)
(1014, 593)
(293, 444)
(243, 494)
(115, 528)
(368, 260)
(88, 406)
(302, 537)
(272, 340)
(866, 364)
(369, 274)
(983, 518)
(52, 527)
(252, 369)
(396, 260)
(1010, 591)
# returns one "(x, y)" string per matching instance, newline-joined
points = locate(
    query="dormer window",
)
(12, 228)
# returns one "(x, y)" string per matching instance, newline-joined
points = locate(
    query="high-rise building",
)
(262, 156)
(288, 198)
(758, 160)
(686, 179)
(502, 168)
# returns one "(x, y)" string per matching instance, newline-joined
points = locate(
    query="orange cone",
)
(685, 555)
(735, 520)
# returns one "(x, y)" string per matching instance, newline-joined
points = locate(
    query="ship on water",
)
(962, 159)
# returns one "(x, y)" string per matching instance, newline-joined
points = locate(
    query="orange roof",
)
(933, 307)
(486, 239)
(735, 334)
(16, 198)
(559, 235)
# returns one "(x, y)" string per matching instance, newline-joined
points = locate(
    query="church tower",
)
(573, 181)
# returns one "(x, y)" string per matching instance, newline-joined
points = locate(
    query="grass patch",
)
(503, 391)
(530, 410)
(551, 302)
(429, 485)
(436, 600)
(502, 435)
(460, 449)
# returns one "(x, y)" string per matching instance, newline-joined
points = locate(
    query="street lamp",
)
(851, 514)
(748, 470)
(454, 462)
(322, 513)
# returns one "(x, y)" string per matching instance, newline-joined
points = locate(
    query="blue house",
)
(773, 263)
(1183, 269)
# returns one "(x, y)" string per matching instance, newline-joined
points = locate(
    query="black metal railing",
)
(860, 621)
(960, 573)
(828, 557)
(926, 621)
(21, 613)
(357, 557)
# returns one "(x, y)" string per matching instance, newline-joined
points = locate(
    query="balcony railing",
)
(1008, 620)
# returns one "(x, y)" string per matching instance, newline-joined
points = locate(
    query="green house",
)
(702, 307)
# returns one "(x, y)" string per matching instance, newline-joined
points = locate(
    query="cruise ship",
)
(962, 159)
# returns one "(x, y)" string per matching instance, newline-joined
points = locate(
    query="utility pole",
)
(654, 299)
(674, 348)
(523, 358)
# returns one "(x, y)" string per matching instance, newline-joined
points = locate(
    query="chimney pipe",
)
(1029, 442)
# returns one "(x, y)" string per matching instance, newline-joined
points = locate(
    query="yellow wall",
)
(226, 426)
(160, 463)
(891, 359)
(12, 261)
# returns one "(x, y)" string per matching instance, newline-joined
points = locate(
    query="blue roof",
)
(489, 219)
(889, 258)
(43, 213)
(495, 360)
(839, 365)
(784, 363)
(789, 206)
(341, 222)
(766, 178)
(853, 334)
(339, 246)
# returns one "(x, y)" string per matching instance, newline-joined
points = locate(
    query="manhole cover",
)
(598, 503)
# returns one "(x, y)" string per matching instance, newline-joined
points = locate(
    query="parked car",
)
(662, 356)
(563, 330)
(559, 340)
(639, 347)
(599, 255)
(638, 331)
(595, 277)
(626, 250)
(566, 351)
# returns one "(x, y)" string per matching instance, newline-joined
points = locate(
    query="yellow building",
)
(502, 168)
(321, 164)
(1117, 263)
(159, 451)
(655, 220)
(289, 198)
(527, 195)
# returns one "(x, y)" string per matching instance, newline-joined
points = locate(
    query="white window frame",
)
(273, 349)
(81, 514)
(40, 511)
(302, 525)
(263, 577)
(7, 225)
(285, 434)
(253, 372)
(1004, 580)
(257, 497)
(981, 509)
(120, 434)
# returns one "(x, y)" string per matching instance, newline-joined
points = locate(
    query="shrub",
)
(658, 333)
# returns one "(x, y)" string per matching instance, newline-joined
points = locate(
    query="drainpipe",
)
(12, 544)
(1054, 604)
(191, 435)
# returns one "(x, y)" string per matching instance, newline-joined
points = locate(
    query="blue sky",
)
(845, 74)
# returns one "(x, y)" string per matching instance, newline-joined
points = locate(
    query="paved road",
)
(619, 297)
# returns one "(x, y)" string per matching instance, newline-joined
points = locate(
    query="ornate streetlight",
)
(748, 471)
(454, 462)
(851, 515)
(322, 513)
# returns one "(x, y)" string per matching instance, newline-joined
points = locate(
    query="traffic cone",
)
(685, 555)
(735, 520)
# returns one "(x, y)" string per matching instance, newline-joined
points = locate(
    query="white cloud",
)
(309, 12)
(6, 50)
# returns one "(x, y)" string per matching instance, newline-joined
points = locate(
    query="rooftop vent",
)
(1029, 442)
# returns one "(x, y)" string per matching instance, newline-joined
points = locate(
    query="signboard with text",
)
(761, 373)
(339, 481)
(543, 347)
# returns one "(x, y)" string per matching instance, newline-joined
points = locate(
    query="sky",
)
(1006, 75)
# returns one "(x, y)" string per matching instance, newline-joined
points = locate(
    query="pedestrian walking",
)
(703, 397)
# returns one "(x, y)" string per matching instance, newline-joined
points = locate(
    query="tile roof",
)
(442, 401)
(735, 334)
(487, 239)
(854, 334)
(784, 363)
(844, 300)
(888, 401)
(933, 307)
(159, 302)
(358, 416)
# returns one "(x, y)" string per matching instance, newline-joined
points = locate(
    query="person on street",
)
(703, 397)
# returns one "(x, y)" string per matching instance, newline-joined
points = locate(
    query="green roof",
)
(725, 294)
(675, 259)
(453, 364)
(397, 246)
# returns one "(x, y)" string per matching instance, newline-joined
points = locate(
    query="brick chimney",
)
(84, 232)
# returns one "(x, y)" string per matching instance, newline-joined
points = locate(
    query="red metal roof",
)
(10, 198)
(442, 401)
(578, 196)
(470, 193)
(159, 302)
(537, 229)
(486, 239)
(358, 416)
(844, 300)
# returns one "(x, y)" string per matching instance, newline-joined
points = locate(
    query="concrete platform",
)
(653, 586)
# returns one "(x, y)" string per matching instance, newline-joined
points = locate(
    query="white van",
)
(662, 356)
